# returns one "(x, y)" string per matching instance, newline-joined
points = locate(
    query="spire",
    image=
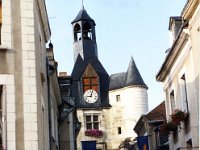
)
(82, 16)
(133, 76)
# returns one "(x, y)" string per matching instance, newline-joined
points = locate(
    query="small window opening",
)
(183, 88)
(119, 130)
(118, 98)
(172, 101)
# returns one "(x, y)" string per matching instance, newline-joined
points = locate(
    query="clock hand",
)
(91, 93)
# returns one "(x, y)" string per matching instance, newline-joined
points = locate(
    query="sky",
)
(124, 28)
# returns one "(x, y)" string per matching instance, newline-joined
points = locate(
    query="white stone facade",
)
(181, 79)
(8, 114)
(24, 33)
(126, 111)
(123, 114)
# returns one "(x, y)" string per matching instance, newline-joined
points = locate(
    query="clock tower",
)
(90, 79)
(90, 85)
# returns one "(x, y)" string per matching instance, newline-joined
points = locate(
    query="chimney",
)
(175, 24)
(62, 74)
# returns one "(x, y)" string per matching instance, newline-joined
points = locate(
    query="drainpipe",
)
(49, 73)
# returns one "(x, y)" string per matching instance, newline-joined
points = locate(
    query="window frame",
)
(92, 122)
(3, 116)
(172, 99)
(119, 130)
(91, 85)
(184, 93)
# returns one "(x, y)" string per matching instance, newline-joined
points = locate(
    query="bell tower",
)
(84, 36)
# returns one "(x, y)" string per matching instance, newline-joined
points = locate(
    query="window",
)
(90, 83)
(2, 117)
(119, 130)
(172, 101)
(92, 121)
(183, 91)
(118, 98)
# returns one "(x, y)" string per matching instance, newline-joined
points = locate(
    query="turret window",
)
(87, 31)
(77, 32)
(118, 98)
(119, 130)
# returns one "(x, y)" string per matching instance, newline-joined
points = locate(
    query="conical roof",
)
(83, 16)
(133, 76)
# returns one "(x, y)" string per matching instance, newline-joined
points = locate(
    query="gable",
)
(89, 71)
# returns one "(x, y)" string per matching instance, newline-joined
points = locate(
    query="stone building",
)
(180, 76)
(69, 125)
(149, 125)
(107, 106)
(28, 79)
(128, 97)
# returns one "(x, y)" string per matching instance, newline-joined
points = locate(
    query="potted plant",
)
(178, 116)
(93, 132)
(168, 128)
(171, 127)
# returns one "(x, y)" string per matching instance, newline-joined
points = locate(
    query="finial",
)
(50, 45)
(82, 5)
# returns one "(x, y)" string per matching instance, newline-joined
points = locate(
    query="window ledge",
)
(5, 48)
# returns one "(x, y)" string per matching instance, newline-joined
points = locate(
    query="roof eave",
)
(139, 123)
(172, 55)
(189, 8)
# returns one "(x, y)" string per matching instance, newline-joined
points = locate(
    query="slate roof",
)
(83, 16)
(78, 71)
(131, 77)
(157, 113)
(80, 66)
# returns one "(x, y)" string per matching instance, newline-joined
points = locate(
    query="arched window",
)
(87, 31)
(77, 32)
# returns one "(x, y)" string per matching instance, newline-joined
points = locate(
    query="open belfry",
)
(107, 107)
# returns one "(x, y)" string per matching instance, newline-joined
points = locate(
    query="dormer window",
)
(87, 31)
(77, 32)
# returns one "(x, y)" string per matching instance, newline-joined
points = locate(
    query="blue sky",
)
(124, 28)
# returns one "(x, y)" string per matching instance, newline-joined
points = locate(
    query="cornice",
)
(189, 9)
(45, 20)
(172, 56)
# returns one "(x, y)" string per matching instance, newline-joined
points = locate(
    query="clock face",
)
(90, 96)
